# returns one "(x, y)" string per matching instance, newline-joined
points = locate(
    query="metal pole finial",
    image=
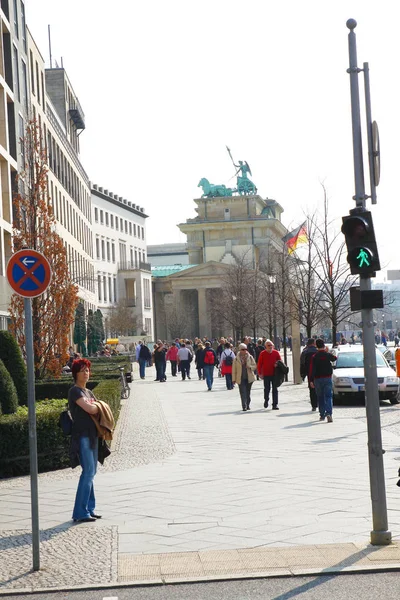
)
(351, 23)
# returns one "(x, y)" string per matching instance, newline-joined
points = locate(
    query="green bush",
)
(58, 388)
(53, 446)
(110, 391)
(12, 358)
(8, 392)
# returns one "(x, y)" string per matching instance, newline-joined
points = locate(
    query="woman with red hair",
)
(81, 402)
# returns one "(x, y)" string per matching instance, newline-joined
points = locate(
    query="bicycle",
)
(125, 389)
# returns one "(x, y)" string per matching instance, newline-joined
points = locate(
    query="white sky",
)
(166, 85)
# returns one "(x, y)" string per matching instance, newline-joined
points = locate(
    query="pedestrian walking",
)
(266, 369)
(199, 360)
(172, 356)
(84, 441)
(243, 369)
(259, 348)
(227, 358)
(210, 361)
(160, 362)
(144, 358)
(183, 360)
(305, 360)
(321, 379)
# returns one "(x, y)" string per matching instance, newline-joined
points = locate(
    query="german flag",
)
(296, 237)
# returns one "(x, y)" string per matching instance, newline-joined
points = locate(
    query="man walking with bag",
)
(266, 369)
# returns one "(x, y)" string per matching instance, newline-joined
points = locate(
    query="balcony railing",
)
(126, 265)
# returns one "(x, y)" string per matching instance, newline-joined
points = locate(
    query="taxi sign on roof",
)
(28, 273)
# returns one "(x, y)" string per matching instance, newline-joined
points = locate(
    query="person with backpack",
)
(267, 362)
(210, 361)
(227, 358)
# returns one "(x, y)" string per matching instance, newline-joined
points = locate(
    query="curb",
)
(276, 574)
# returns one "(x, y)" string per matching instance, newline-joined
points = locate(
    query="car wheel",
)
(394, 401)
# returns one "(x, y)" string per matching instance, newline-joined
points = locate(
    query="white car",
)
(348, 376)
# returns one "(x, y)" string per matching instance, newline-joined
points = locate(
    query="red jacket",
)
(266, 362)
(172, 353)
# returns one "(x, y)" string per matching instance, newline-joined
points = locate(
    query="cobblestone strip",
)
(77, 555)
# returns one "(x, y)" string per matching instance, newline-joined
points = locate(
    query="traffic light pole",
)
(380, 535)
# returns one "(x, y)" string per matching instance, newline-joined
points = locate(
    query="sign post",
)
(29, 274)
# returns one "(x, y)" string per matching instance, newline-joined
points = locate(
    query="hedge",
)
(53, 446)
(8, 392)
(58, 388)
(10, 354)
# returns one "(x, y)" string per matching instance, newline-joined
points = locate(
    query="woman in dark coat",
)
(200, 360)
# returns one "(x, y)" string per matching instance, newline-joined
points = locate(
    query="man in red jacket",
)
(265, 368)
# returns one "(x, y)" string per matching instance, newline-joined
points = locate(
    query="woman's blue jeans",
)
(85, 501)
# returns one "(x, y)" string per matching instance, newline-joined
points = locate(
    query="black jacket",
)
(279, 373)
(305, 359)
(321, 365)
(144, 352)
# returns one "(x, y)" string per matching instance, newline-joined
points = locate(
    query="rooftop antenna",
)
(51, 60)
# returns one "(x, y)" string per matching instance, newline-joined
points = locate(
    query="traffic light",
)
(361, 245)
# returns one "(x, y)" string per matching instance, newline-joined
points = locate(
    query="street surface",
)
(340, 587)
(195, 488)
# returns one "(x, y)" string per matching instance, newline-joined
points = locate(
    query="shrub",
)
(57, 388)
(12, 358)
(52, 445)
(8, 392)
(110, 391)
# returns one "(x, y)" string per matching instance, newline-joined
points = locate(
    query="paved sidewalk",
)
(230, 494)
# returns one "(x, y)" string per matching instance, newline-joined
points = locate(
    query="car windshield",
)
(354, 360)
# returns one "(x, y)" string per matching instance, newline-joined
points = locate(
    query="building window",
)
(146, 293)
(115, 288)
(142, 233)
(109, 289)
(112, 221)
(105, 288)
(37, 82)
(17, 90)
(16, 19)
(134, 229)
(24, 84)
(32, 73)
(103, 250)
(101, 217)
(23, 23)
(96, 214)
(107, 219)
(108, 251)
(113, 251)
(99, 286)
(97, 248)
(130, 228)
(116, 223)
(121, 224)
(126, 226)
(147, 326)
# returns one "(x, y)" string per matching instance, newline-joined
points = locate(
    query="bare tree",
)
(121, 319)
(332, 274)
(308, 293)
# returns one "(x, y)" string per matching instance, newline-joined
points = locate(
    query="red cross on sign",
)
(28, 273)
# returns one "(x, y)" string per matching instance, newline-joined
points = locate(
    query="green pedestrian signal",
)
(363, 259)
(361, 245)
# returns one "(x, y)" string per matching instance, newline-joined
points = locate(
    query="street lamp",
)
(272, 280)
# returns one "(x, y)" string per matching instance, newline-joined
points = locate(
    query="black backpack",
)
(65, 422)
(228, 360)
